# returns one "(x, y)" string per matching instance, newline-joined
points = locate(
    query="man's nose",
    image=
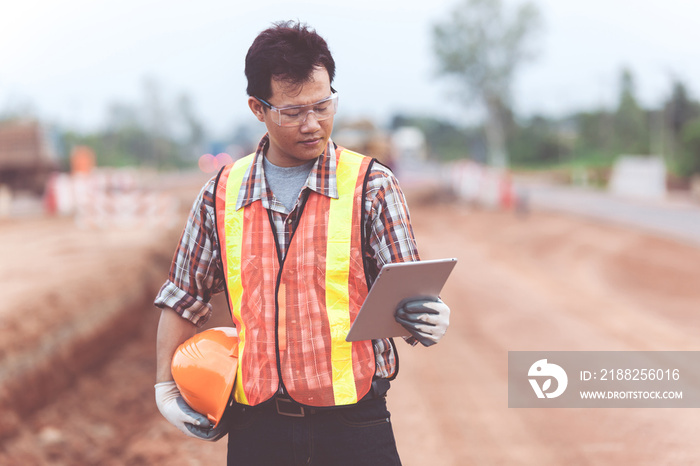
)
(310, 123)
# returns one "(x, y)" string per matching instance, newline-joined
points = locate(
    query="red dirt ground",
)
(540, 282)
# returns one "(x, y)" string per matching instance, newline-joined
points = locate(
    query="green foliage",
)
(689, 160)
(680, 109)
(594, 139)
(140, 135)
(595, 132)
(538, 141)
(445, 141)
(131, 146)
(630, 123)
(588, 142)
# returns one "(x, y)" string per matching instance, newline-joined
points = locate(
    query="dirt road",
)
(542, 282)
(546, 282)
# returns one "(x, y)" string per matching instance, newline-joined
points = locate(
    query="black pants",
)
(357, 435)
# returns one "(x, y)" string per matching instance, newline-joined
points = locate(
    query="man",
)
(295, 234)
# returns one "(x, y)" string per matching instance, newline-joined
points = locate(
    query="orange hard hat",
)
(204, 368)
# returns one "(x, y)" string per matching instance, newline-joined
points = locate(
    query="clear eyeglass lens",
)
(296, 116)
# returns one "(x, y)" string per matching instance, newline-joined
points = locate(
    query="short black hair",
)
(288, 51)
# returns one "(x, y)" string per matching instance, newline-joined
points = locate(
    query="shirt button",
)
(289, 221)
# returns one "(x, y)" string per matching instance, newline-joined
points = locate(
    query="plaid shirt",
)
(196, 272)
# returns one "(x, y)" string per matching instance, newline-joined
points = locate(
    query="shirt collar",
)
(322, 177)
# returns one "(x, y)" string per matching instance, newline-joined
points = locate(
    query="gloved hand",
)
(427, 320)
(174, 408)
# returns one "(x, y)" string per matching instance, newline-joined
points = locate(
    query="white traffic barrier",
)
(639, 177)
(110, 199)
(481, 185)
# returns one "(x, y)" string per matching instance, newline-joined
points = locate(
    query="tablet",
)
(394, 284)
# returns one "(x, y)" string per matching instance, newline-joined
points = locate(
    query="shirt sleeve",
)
(195, 273)
(388, 225)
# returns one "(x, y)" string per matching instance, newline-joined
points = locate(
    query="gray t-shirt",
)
(286, 183)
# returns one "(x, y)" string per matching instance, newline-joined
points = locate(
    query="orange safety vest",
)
(293, 313)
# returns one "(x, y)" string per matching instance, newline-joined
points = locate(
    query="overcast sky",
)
(69, 60)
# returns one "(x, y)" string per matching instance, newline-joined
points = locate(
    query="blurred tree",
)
(537, 141)
(482, 46)
(194, 139)
(138, 135)
(444, 140)
(244, 137)
(678, 110)
(157, 122)
(596, 135)
(689, 161)
(631, 126)
(122, 115)
(125, 140)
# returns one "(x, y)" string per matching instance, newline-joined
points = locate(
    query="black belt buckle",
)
(289, 408)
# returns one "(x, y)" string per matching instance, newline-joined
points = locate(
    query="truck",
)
(27, 158)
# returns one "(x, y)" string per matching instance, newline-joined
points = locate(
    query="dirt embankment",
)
(542, 282)
(73, 296)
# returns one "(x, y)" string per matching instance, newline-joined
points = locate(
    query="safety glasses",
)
(296, 115)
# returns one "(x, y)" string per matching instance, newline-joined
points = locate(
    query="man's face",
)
(295, 145)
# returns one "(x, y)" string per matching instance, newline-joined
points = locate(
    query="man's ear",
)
(257, 108)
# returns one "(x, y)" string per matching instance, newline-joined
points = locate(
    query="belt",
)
(288, 407)
(285, 406)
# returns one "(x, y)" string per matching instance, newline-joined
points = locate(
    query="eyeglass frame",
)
(334, 95)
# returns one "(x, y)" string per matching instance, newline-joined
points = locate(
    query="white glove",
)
(427, 320)
(174, 408)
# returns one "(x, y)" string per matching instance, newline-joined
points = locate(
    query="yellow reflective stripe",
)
(337, 272)
(234, 241)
